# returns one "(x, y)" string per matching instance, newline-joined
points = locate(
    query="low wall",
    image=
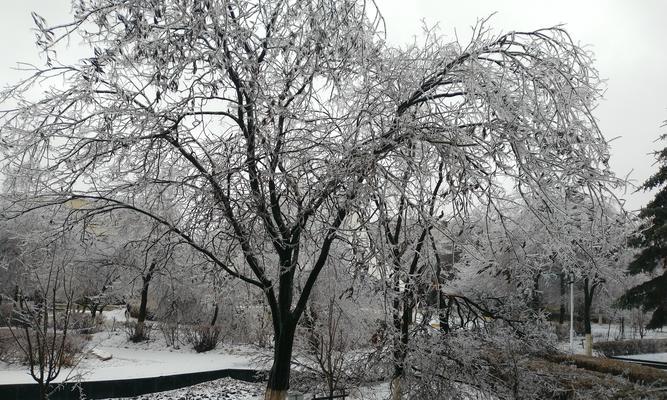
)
(627, 347)
(127, 387)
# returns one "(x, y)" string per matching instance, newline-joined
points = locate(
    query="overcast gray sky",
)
(626, 37)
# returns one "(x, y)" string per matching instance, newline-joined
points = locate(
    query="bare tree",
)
(326, 348)
(144, 250)
(40, 322)
(260, 123)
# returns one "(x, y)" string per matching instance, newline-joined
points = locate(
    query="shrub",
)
(633, 372)
(625, 347)
(172, 333)
(203, 337)
(72, 349)
(9, 350)
(6, 313)
(82, 323)
(131, 331)
(562, 331)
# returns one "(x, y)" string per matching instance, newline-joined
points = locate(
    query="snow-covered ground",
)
(606, 332)
(154, 358)
(140, 360)
(230, 389)
(221, 389)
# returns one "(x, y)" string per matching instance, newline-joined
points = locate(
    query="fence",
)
(127, 387)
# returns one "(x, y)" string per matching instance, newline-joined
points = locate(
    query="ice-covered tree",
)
(40, 320)
(253, 128)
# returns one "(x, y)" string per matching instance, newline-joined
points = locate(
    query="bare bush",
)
(13, 346)
(82, 323)
(9, 351)
(131, 332)
(203, 338)
(172, 334)
(5, 313)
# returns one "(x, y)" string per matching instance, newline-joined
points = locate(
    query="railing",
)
(126, 387)
(646, 363)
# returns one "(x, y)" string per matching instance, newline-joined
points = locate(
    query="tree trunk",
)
(622, 328)
(98, 304)
(43, 391)
(141, 318)
(443, 313)
(401, 346)
(215, 314)
(589, 291)
(395, 387)
(278, 384)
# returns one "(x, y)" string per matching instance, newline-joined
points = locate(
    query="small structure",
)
(342, 395)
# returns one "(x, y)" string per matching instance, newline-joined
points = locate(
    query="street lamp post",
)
(571, 313)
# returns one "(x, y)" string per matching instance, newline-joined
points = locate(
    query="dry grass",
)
(633, 372)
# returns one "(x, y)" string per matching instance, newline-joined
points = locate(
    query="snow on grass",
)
(606, 332)
(221, 389)
(140, 360)
(128, 363)
(230, 389)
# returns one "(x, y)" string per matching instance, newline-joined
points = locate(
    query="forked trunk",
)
(43, 391)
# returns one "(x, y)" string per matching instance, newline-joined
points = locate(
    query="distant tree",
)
(599, 242)
(651, 238)
(12, 272)
(143, 249)
(584, 239)
(40, 321)
(262, 123)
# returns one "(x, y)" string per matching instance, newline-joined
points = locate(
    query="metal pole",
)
(571, 314)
